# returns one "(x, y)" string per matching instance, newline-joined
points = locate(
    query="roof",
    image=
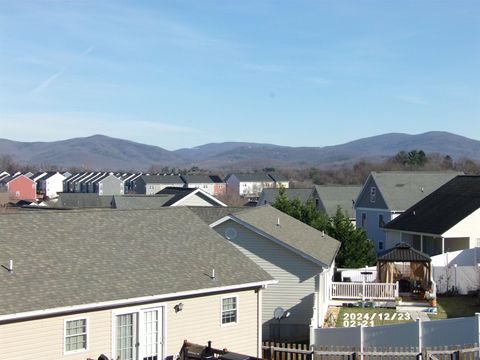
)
(162, 179)
(210, 214)
(216, 179)
(197, 179)
(270, 194)
(442, 209)
(402, 189)
(333, 196)
(105, 255)
(403, 252)
(254, 177)
(291, 232)
(278, 177)
(132, 202)
(83, 200)
(180, 193)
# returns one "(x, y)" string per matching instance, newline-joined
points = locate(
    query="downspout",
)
(259, 323)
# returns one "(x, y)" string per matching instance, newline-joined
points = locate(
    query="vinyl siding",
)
(297, 278)
(193, 201)
(199, 321)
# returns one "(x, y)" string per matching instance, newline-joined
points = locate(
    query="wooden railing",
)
(363, 290)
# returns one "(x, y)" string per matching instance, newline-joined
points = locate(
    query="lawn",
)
(456, 306)
(356, 316)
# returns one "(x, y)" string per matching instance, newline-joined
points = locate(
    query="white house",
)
(446, 220)
(248, 185)
(51, 184)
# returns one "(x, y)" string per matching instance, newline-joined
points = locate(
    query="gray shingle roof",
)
(139, 202)
(83, 200)
(67, 258)
(162, 179)
(442, 209)
(303, 195)
(292, 232)
(402, 189)
(210, 214)
(255, 177)
(197, 179)
(333, 196)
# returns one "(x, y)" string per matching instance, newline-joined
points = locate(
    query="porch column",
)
(443, 245)
(421, 243)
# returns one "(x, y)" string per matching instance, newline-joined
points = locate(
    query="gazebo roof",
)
(403, 252)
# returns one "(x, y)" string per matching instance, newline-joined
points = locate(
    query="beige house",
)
(127, 284)
(298, 256)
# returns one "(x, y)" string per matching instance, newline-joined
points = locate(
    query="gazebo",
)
(411, 268)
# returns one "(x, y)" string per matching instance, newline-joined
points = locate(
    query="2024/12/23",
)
(368, 319)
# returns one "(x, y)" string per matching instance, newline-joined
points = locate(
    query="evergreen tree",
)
(356, 249)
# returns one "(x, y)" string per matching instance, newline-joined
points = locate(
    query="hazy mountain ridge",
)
(103, 152)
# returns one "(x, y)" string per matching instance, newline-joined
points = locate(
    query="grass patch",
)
(356, 316)
(456, 306)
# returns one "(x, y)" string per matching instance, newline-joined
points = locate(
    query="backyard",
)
(456, 306)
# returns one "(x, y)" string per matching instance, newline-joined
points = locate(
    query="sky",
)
(185, 73)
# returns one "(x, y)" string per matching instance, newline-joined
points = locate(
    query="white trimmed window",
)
(76, 335)
(229, 310)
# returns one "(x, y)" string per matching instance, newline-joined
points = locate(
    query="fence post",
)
(361, 342)
(477, 315)
(420, 335)
(396, 290)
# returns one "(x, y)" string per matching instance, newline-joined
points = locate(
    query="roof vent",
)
(278, 221)
(422, 189)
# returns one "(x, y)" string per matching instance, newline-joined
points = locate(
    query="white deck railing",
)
(363, 290)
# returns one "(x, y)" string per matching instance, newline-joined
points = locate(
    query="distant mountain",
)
(94, 152)
(102, 152)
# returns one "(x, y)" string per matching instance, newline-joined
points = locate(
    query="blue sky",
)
(185, 73)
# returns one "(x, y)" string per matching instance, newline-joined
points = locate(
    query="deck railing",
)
(364, 290)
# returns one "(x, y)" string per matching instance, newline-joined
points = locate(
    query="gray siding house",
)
(152, 184)
(385, 195)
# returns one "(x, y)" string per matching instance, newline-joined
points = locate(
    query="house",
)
(189, 197)
(130, 285)
(248, 185)
(280, 180)
(20, 187)
(219, 186)
(152, 184)
(387, 194)
(327, 198)
(446, 220)
(51, 184)
(203, 182)
(109, 184)
(300, 257)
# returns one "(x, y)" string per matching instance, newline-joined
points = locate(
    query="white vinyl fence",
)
(419, 334)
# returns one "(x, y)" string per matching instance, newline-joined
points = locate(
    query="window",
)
(75, 335)
(364, 220)
(373, 194)
(229, 310)
(381, 222)
(380, 245)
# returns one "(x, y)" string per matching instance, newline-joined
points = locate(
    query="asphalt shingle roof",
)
(83, 200)
(139, 202)
(255, 177)
(292, 232)
(402, 189)
(442, 209)
(162, 179)
(81, 257)
(333, 196)
(210, 214)
(301, 194)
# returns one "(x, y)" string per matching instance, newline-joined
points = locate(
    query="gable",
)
(365, 199)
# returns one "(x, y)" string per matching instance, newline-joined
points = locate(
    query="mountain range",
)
(100, 152)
